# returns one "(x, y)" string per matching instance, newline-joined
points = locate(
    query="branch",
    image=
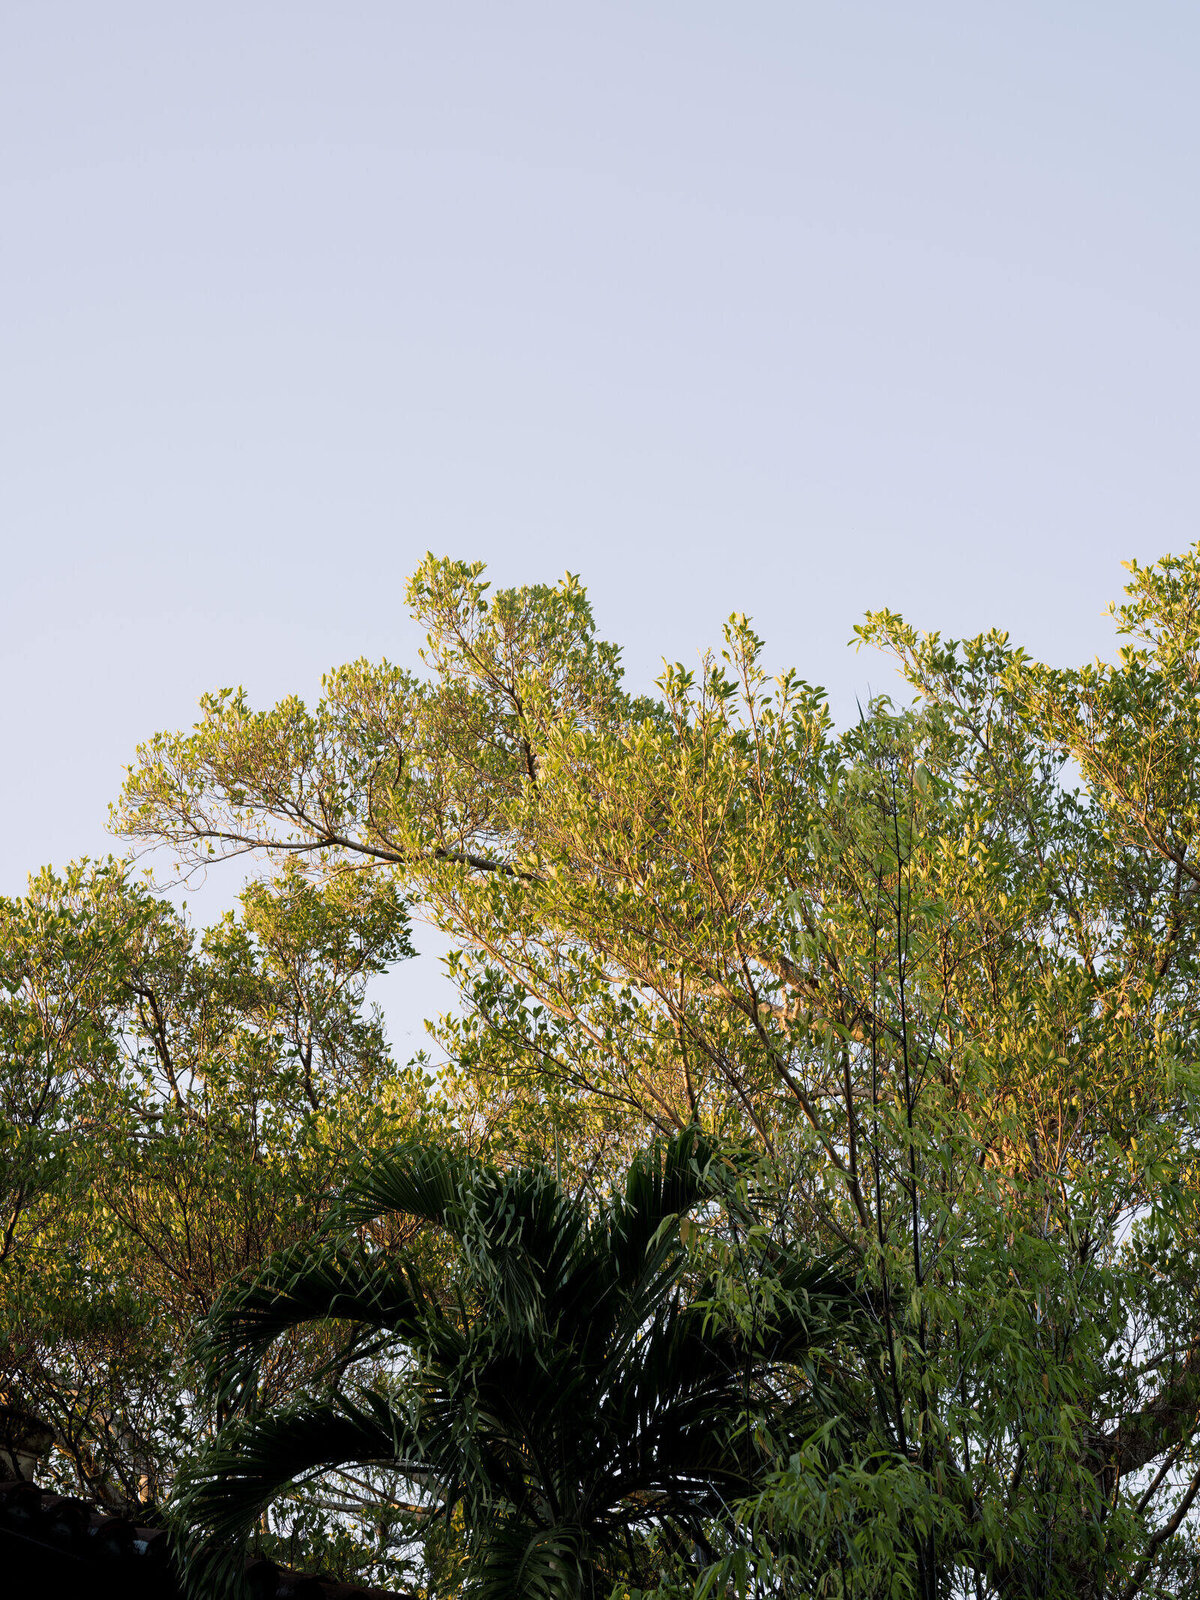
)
(1168, 1529)
(1170, 1417)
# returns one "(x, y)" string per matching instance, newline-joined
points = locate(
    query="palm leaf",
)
(306, 1283)
(664, 1183)
(414, 1180)
(223, 1492)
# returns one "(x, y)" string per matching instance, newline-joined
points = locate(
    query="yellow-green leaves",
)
(942, 968)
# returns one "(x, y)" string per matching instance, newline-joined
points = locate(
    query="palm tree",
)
(564, 1394)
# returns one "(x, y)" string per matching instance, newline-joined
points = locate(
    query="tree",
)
(173, 1109)
(561, 1394)
(941, 967)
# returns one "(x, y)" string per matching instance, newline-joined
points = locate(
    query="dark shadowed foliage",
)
(566, 1392)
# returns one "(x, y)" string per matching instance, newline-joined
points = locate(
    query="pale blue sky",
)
(787, 308)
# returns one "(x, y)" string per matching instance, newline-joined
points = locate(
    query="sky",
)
(792, 309)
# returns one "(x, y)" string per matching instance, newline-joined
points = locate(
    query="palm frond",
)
(308, 1282)
(520, 1239)
(811, 1305)
(540, 1563)
(223, 1492)
(665, 1182)
(413, 1180)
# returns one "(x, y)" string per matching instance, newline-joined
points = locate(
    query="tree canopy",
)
(936, 970)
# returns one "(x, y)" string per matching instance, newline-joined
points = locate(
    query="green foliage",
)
(174, 1108)
(560, 1393)
(938, 971)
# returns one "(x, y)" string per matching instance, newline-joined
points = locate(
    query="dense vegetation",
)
(567, 1398)
(921, 994)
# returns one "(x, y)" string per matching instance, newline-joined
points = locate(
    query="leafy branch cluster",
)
(926, 988)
